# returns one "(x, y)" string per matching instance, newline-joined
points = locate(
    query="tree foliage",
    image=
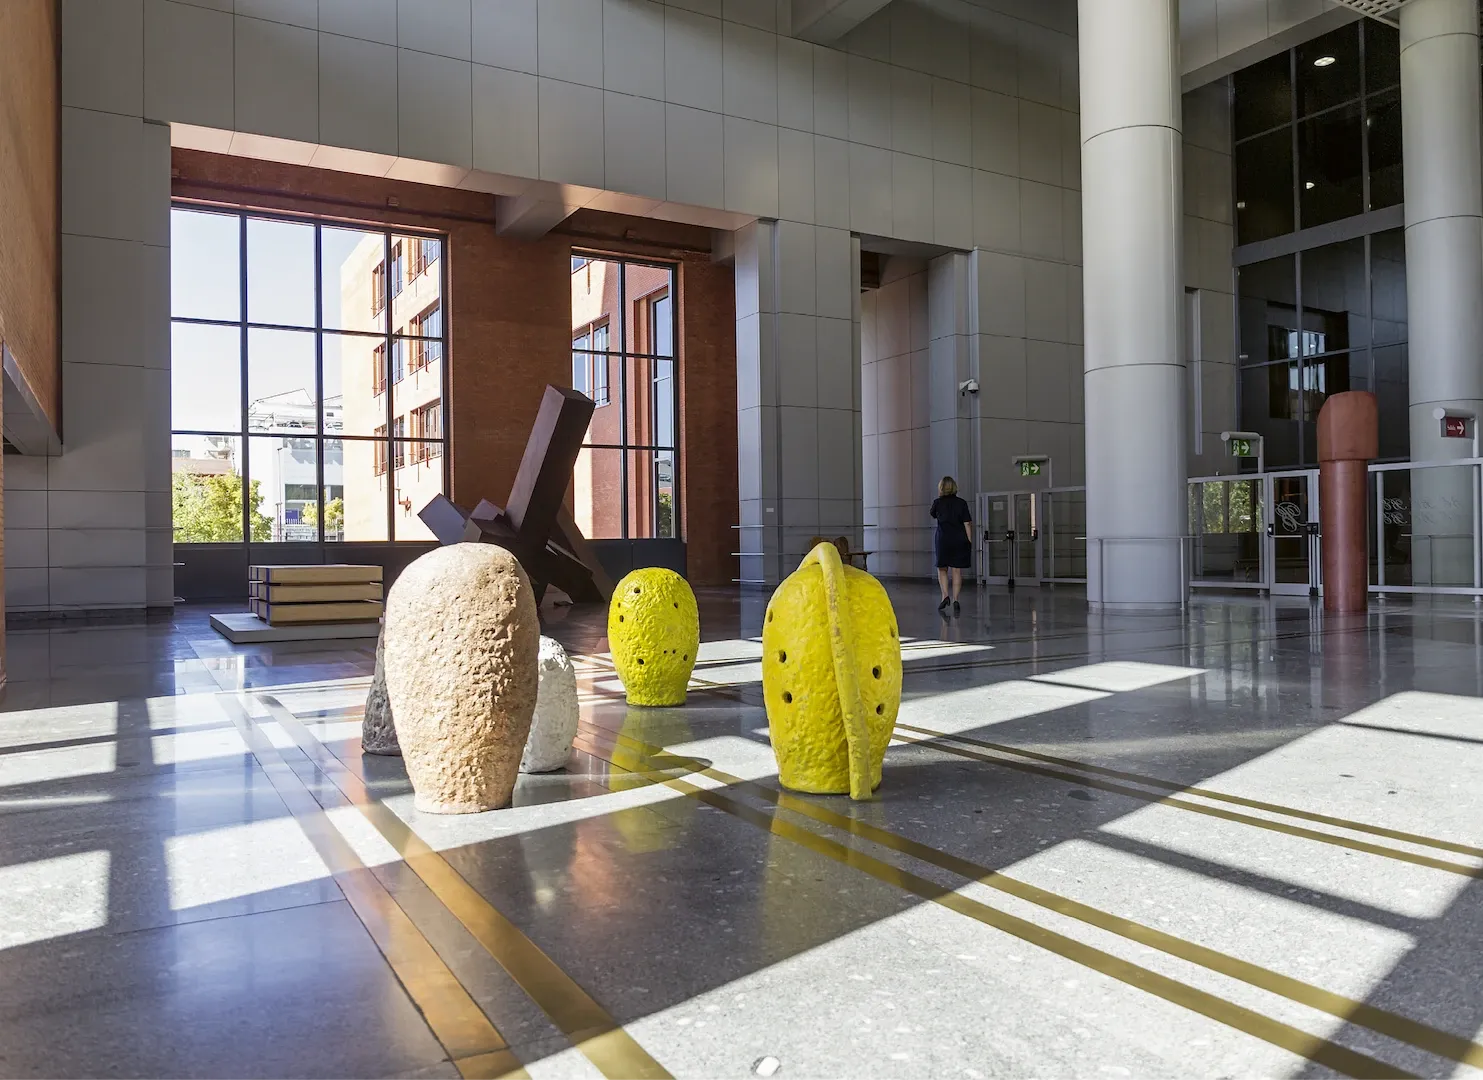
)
(207, 509)
(334, 517)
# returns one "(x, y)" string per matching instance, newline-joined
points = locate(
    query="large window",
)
(307, 379)
(623, 332)
(1318, 322)
(1318, 132)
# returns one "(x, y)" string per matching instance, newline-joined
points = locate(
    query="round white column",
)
(1131, 168)
(1441, 118)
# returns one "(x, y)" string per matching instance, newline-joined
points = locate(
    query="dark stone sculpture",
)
(535, 524)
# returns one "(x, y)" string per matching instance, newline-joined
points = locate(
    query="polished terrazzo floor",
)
(1242, 842)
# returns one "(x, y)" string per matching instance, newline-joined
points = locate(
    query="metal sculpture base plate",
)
(245, 628)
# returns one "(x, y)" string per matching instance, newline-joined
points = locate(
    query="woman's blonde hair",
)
(947, 486)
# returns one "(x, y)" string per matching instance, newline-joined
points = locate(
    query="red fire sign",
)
(1454, 427)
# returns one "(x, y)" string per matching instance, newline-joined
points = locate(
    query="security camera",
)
(968, 386)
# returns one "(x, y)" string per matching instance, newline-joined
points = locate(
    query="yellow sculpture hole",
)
(787, 698)
(880, 710)
(876, 671)
(782, 657)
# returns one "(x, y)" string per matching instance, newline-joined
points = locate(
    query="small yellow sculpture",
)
(831, 676)
(654, 632)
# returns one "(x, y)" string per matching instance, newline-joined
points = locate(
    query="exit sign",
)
(1454, 427)
(1029, 468)
(1241, 448)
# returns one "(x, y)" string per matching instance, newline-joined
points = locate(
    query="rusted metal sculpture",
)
(535, 524)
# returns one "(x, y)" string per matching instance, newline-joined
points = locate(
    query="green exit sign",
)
(1241, 448)
(1029, 468)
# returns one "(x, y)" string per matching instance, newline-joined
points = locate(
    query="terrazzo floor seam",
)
(1027, 895)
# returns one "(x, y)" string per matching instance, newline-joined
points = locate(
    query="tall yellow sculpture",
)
(831, 676)
(654, 632)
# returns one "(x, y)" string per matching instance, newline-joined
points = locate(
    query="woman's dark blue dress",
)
(950, 540)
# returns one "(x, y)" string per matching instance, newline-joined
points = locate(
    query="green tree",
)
(207, 509)
(334, 517)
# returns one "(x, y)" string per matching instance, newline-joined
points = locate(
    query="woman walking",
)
(952, 541)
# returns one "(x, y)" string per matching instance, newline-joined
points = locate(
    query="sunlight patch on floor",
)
(1119, 676)
(50, 898)
(247, 859)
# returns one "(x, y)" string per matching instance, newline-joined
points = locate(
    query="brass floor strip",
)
(1294, 1040)
(600, 1038)
(1422, 1036)
(455, 1019)
(1207, 793)
(1365, 846)
(1246, 819)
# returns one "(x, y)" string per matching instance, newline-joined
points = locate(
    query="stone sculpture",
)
(654, 633)
(831, 676)
(377, 733)
(462, 639)
(555, 723)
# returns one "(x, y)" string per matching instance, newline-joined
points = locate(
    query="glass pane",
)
(1395, 505)
(280, 272)
(1392, 382)
(600, 373)
(1066, 552)
(421, 274)
(205, 377)
(1388, 286)
(1330, 184)
(418, 394)
(998, 528)
(205, 265)
(419, 478)
(1264, 187)
(651, 402)
(1383, 117)
(1328, 70)
(354, 279)
(1442, 525)
(1264, 389)
(595, 302)
(1263, 97)
(1336, 303)
(1290, 547)
(1268, 309)
(354, 384)
(651, 495)
(647, 291)
(1026, 537)
(206, 489)
(597, 493)
(1226, 517)
(358, 468)
(333, 494)
(281, 391)
(1382, 56)
(283, 474)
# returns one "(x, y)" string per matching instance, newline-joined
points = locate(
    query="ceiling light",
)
(1323, 61)
(1308, 186)
(1240, 206)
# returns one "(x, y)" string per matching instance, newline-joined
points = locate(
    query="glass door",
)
(995, 537)
(1291, 512)
(1027, 537)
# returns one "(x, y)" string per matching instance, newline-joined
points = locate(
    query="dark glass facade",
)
(1318, 143)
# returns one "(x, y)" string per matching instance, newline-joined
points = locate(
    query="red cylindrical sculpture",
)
(1348, 439)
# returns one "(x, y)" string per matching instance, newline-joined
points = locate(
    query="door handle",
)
(1271, 529)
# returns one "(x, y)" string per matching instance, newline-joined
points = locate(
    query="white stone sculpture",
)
(555, 723)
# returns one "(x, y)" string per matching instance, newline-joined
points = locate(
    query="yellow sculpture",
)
(831, 676)
(654, 632)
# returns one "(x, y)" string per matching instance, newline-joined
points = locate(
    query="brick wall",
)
(509, 319)
(29, 195)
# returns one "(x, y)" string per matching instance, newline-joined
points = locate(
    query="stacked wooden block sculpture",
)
(329, 593)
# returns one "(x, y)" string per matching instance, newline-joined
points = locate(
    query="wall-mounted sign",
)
(1029, 468)
(1454, 427)
(1241, 448)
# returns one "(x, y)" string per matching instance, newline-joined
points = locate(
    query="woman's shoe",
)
(943, 606)
(956, 608)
